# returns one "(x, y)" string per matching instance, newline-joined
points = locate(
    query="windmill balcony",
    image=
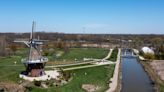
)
(41, 60)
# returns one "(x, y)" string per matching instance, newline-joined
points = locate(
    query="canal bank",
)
(158, 83)
(134, 77)
(156, 80)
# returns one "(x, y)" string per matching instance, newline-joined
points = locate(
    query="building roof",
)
(147, 50)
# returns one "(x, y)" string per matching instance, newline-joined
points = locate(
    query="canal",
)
(134, 77)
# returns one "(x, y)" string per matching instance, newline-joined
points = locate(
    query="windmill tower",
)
(35, 62)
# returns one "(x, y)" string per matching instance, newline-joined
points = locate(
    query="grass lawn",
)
(80, 53)
(96, 75)
(6, 71)
(113, 56)
(10, 73)
(161, 87)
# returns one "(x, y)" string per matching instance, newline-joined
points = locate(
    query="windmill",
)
(35, 62)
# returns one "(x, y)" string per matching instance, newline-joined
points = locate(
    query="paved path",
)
(88, 62)
(109, 54)
(74, 64)
(87, 66)
(114, 80)
(95, 62)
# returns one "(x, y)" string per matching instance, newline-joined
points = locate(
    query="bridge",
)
(129, 53)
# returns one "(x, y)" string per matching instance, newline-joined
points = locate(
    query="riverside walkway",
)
(114, 80)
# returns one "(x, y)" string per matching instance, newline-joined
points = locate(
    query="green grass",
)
(113, 56)
(161, 88)
(96, 75)
(76, 53)
(80, 53)
(10, 73)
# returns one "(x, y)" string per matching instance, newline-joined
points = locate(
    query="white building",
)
(147, 50)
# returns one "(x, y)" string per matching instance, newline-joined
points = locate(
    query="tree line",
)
(65, 41)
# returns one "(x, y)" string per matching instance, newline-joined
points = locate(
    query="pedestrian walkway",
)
(114, 79)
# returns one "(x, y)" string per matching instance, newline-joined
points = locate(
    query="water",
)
(134, 78)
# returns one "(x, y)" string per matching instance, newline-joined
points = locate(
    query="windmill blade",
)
(40, 40)
(33, 29)
(38, 37)
(21, 41)
(31, 38)
(31, 35)
(30, 53)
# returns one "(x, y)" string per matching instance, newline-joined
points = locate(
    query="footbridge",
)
(127, 52)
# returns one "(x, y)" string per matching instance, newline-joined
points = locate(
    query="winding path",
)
(109, 54)
(95, 61)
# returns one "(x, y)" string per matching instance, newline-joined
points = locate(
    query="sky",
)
(83, 16)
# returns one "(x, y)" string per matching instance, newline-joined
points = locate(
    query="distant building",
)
(147, 50)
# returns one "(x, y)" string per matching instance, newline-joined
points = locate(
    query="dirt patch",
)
(11, 87)
(90, 87)
(158, 67)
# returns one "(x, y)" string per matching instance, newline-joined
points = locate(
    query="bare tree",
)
(2, 45)
(14, 48)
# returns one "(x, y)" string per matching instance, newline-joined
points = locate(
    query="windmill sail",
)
(35, 62)
(31, 51)
(33, 44)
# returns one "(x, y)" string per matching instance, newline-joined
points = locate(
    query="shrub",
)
(149, 56)
(37, 83)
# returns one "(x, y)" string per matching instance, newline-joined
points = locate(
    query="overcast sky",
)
(83, 16)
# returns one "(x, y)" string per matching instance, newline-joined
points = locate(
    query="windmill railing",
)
(40, 60)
